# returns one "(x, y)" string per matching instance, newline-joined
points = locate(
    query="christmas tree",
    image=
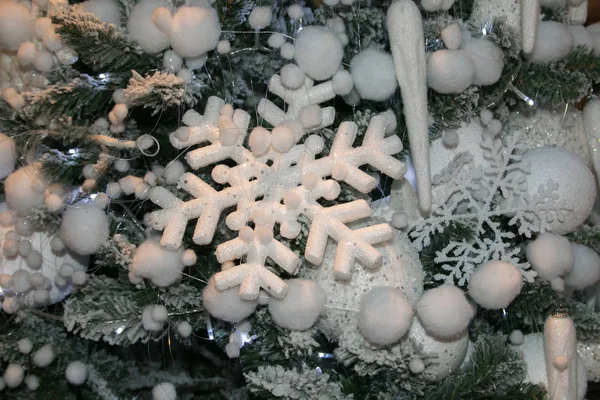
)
(238, 199)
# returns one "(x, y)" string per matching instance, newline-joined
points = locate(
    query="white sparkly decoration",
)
(226, 304)
(385, 316)
(172, 63)
(194, 31)
(301, 306)
(553, 43)
(260, 17)
(575, 183)
(143, 29)
(400, 269)
(586, 268)
(84, 228)
(14, 374)
(495, 285)
(436, 5)
(293, 178)
(405, 28)
(450, 352)
(551, 256)
(162, 267)
(16, 25)
(105, 10)
(445, 312)
(76, 373)
(591, 123)
(24, 189)
(8, 156)
(370, 86)
(450, 71)
(164, 391)
(488, 59)
(44, 356)
(319, 52)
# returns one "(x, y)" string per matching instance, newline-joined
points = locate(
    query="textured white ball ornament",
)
(292, 77)
(488, 59)
(143, 29)
(450, 352)
(576, 185)
(16, 25)
(227, 304)
(76, 373)
(400, 269)
(318, 52)
(184, 329)
(105, 10)
(370, 85)
(162, 18)
(300, 308)
(342, 83)
(84, 228)
(22, 189)
(164, 391)
(586, 268)
(384, 316)
(550, 255)
(494, 285)
(445, 312)
(553, 42)
(44, 356)
(450, 71)
(14, 373)
(194, 31)
(43, 61)
(8, 156)
(26, 53)
(150, 261)
(582, 37)
(452, 36)
(260, 17)
(276, 40)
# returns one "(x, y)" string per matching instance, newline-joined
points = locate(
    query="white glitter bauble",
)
(486, 11)
(450, 353)
(576, 184)
(401, 269)
(51, 263)
(589, 352)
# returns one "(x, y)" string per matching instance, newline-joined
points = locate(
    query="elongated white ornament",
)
(591, 121)
(560, 350)
(530, 17)
(405, 29)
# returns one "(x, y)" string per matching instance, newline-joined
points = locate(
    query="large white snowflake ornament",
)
(273, 183)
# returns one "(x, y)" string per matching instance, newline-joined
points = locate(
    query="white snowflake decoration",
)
(475, 197)
(275, 188)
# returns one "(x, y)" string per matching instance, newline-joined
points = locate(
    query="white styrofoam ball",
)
(14, 374)
(576, 184)
(189, 258)
(450, 352)
(149, 323)
(292, 77)
(431, 5)
(450, 139)
(226, 304)
(495, 284)
(184, 328)
(342, 82)
(194, 31)
(150, 261)
(194, 63)
(282, 138)
(310, 116)
(21, 282)
(582, 37)
(16, 25)
(377, 86)
(173, 171)
(172, 63)
(259, 140)
(586, 268)
(551, 256)
(26, 53)
(450, 71)
(8, 156)
(318, 52)
(553, 42)
(416, 366)
(452, 36)
(84, 228)
(105, 10)
(164, 391)
(445, 312)
(11, 305)
(384, 316)
(32, 382)
(44, 356)
(223, 47)
(43, 61)
(143, 29)
(287, 51)
(516, 337)
(300, 308)
(79, 278)
(25, 346)
(76, 372)
(295, 12)
(21, 189)
(488, 59)
(260, 17)
(163, 19)
(276, 40)
(159, 313)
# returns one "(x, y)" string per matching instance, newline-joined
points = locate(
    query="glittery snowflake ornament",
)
(276, 179)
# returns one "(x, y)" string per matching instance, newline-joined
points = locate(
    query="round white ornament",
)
(370, 85)
(24, 189)
(495, 284)
(488, 59)
(445, 312)
(194, 31)
(150, 261)
(143, 29)
(450, 71)
(227, 304)
(8, 156)
(105, 10)
(553, 42)
(16, 25)
(84, 228)
(586, 268)
(301, 306)
(318, 52)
